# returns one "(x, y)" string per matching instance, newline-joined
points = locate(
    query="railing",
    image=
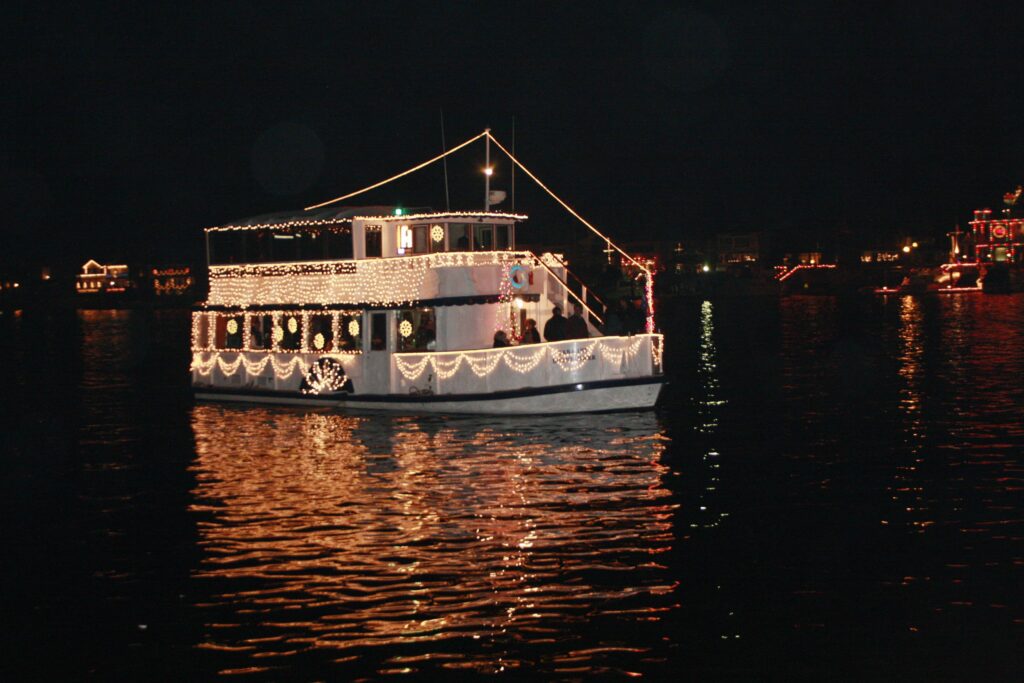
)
(592, 304)
(531, 365)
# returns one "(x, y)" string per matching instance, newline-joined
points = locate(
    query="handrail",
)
(577, 278)
(568, 289)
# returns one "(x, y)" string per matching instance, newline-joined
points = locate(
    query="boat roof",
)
(334, 215)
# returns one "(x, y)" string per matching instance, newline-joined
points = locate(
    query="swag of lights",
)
(525, 359)
(649, 287)
(375, 282)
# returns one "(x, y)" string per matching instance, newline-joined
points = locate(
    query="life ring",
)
(515, 279)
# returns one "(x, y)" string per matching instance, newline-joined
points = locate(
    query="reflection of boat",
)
(456, 540)
(380, 308)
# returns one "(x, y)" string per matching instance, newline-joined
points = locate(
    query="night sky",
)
(129, 127)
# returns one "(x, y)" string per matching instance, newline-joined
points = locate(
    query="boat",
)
(389, 308)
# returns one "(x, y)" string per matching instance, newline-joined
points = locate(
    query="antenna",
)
(447, 203)
(487, 170)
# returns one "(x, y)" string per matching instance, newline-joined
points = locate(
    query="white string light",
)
(520, 360)
(376, 282)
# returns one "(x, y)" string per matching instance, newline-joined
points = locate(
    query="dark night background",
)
(127, 128)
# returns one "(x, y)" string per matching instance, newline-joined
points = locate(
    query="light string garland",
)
(282, 368)
(374, 282)
(524, 359)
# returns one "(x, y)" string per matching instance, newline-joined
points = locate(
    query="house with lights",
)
(96, 279)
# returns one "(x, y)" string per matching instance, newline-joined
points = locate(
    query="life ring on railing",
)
(517, 276)
(326, 376)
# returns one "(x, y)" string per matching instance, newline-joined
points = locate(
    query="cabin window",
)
(291, 332)
(378, 331)
(261, 329)
(234, 328)
(501, 237)
(483, 237)
(421, 239)
(374, 247)
(227, 246)
(417, 330)
(350, 334)
(460, 236)
(202, 332)
(321, 332)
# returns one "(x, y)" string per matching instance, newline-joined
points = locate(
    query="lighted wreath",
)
(405, 329)
(437, 233)
(325, 376)
(318, 341)
(353, 328)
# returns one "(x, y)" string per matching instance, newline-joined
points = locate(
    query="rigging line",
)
(568, 208)
(447, 201)
(396, 177)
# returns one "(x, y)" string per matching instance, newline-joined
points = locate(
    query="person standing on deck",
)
(576, 326)
(554, 329)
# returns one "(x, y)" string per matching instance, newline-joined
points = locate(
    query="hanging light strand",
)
(397, 176)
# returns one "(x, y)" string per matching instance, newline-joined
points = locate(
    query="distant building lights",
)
(705, 268)
(906, 249)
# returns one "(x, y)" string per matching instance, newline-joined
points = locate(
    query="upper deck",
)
(362, 256)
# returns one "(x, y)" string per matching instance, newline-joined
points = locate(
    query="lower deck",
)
(583, 375)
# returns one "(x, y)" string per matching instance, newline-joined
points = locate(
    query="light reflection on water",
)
(848, 476)
(418, 543)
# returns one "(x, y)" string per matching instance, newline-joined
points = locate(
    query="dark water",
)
(831, 490)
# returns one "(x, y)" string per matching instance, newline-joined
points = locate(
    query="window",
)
(202, 329)
(460, 237)
(350, 332)
(420, 239)
(321, 332)
(227, 246)
(378, 331)
(261, 330)
(483, 237)
(416, 330)
(374, 248)
(291, 332)
(501, 237)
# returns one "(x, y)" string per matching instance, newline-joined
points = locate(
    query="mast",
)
(487, 171)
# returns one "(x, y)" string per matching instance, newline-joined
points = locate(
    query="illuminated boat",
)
(380, 308)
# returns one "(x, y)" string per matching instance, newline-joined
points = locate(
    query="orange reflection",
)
(414, 541)
(908, 488)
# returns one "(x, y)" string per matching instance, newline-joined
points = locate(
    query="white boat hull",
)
(578, 398)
